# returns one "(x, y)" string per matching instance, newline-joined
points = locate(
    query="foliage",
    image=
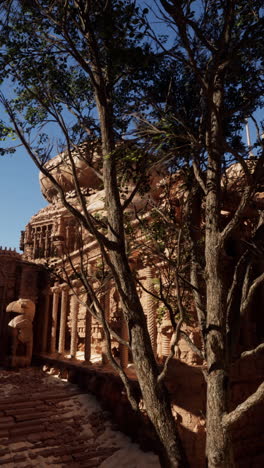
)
(90, 69)
(83, 67)
(218, 57)
(53, 82)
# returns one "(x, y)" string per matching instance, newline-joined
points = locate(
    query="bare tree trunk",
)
(154, 393)
(218, 446)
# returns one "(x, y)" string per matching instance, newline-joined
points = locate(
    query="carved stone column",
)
(55, 304)
(105, 305)
(159, 341)
(45, 325)
(34, 243)
(87, 342)
(166, 335)
(74, 331)
(41, 243)
(123, 348)
(63, 317)
(149, 306)
(88, 322)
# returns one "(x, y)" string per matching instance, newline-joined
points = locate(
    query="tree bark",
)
(218, 444)
(154, 393)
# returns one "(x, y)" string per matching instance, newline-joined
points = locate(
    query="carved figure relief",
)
(21, 332)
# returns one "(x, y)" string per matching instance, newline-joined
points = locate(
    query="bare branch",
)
(242, 161)
(176, 12)
(176, 334)
(236, 279)
(230, 419)
(198, 176)
(256, 283)
(174, 341)
(193, 347)
(259, 350)
(233, 223)
(197, 297)
(257, 129)
(131, 196)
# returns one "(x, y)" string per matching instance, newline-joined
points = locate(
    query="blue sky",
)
(20, 196)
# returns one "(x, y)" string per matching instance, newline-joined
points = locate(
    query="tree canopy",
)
(100, 73)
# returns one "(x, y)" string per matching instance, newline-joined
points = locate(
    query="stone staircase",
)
(47, 422)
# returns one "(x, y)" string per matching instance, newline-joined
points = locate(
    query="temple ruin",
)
(64, 331)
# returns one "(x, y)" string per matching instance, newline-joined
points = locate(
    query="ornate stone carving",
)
(21, 332)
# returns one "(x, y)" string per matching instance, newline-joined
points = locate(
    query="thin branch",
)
(132, 194)
(227, 231)
(193, 347)
(256, 283)
(242, 161)
(257, 129)
(198, 176)
(176, 334)
(197, 298)
(246, 283)
(236, 278)
(229, 420)
(259, 350)
(177, 14)
(174, 341)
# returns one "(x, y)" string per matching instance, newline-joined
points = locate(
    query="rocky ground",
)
(47, 422)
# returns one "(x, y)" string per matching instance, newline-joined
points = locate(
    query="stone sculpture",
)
(21, 332)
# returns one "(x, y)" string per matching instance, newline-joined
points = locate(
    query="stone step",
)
(48, 425)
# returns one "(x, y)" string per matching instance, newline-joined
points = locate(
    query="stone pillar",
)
(105, 359)
(165, 345)
(87, 341)
(63, 317)
(166, 330)
(123, 348)
(159, 341)
(74, 323)
(34, 243)
(45, 252)
(105, 305)
(55, 304)
(88, 323)
(45, 325)
(41, 243)
(151, 307)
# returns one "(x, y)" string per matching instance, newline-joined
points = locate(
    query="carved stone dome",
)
(60, 168)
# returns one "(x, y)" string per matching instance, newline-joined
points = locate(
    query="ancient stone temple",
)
(64, 331)
(52, 234)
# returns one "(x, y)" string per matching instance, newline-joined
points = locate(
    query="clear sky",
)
(20, 196)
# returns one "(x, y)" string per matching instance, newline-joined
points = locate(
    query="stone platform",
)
(47, 422)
